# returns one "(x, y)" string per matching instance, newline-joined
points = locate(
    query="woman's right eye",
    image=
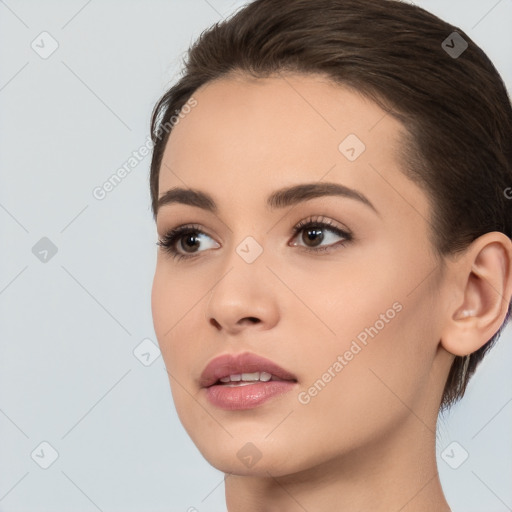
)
(185, 237)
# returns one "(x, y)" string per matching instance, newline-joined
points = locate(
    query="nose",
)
(245, 297)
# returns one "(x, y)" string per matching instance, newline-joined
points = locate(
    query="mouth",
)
(244, 381)
(242, 368)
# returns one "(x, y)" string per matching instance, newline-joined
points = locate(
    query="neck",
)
(398, 473)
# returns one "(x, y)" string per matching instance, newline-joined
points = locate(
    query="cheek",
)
(174, 309)
(173, 295)
(368, 391)
(173, 305)
(162, 305)
(342, 299)
(379, 346)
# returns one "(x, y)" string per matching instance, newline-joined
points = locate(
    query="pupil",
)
(191, 238)
(316, 235)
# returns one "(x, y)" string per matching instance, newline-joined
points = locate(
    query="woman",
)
(329, 182)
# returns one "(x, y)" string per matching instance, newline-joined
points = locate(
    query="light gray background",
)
(69, 326)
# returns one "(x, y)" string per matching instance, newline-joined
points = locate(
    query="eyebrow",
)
(281, 198)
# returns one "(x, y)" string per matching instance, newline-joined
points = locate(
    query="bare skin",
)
(365, 440)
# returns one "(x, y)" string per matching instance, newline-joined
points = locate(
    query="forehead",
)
(287, 109)
(247, 136)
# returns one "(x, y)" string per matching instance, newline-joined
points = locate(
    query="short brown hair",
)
(455, 108)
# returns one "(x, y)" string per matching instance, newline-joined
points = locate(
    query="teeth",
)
(247, 377)
(251, 376)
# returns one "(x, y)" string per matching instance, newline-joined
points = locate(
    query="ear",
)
(483, 280)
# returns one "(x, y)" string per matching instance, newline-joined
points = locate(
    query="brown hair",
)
(455, 108)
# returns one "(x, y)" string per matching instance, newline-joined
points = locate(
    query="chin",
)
(248, 453)
(269, 464)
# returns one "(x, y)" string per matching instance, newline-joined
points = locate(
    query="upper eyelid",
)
(327, 222)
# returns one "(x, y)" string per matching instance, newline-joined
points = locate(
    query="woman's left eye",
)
(313, 230)
(191, 236)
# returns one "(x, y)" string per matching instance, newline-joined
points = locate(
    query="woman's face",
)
(351, 311)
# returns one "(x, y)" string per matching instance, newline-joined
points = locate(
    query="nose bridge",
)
(249, 249)
(247, 240)
(245, 264)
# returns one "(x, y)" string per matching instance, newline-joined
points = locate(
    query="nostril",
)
(253, 319)
(215, 323)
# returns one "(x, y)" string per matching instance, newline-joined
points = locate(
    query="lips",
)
(237, 364)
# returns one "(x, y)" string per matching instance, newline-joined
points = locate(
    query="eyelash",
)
(169, 240)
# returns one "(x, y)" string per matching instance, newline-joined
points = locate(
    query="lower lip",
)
(235, 398)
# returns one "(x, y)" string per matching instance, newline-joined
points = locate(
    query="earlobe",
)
(484, 272)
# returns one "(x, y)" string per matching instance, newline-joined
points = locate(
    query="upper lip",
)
(229, 364)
